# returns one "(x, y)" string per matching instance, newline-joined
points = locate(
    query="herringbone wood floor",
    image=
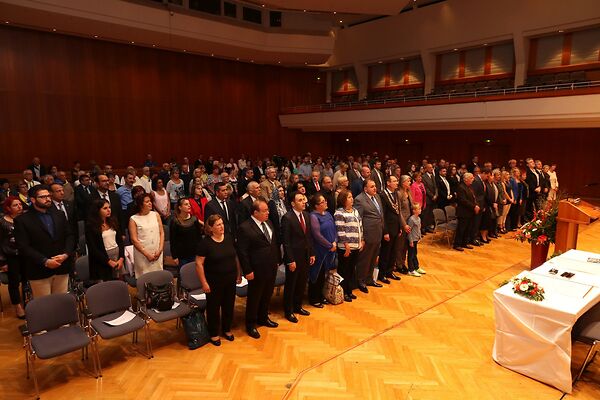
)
(420, 338)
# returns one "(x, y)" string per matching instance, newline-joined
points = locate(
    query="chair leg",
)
(96, 354)
(148, 340)
(27, 362)
(586, 362)
(35, 382)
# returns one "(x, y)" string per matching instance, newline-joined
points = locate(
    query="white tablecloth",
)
(534, 338)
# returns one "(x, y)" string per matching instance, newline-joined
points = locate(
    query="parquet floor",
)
(420, 338)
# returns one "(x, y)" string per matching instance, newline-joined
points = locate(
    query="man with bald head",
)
(466, 210)
(244, 210)
(358, 184)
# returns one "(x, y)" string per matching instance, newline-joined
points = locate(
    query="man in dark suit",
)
(221, 205)
(102, 192)
(328, 193)
(534, 182)
(298, 255)
(480, 190)
(66, 207)
(313, 185)
(248, 177)
(83, 197)
(244, 209)
(46, 244)
(378, 176)
(445, 195)
(370, 208)
(259, 255)
(391, 230)
(353, 172)
(466, 209)
(37, 168)
(358, 184)
(431, 196)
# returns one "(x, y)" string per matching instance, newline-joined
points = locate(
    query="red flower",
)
(542, 239)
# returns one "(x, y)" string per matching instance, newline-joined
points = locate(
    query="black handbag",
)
(196, 329)
(159, 297)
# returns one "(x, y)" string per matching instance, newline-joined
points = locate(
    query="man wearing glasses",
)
(46, 244)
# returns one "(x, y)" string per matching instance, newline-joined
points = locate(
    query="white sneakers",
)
(421, 271)
(414, 273)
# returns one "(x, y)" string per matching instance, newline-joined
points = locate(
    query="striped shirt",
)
(349, 228)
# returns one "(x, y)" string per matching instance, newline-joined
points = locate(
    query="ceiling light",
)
(485, 44)
(379, 62)
(305, 63)
(401, 58)
(262, 5)
(303, 10)
(184, 50)
(341, 22)
(455, 49)
(334, 12)
(278, 62)
(560, 31)
(347, 140)
(132, 42)
(7, 22)
(212, 54)
(153, 45)
(237, 59)
(318, 78)
(53, 29)
(95, 36)
(251, 60)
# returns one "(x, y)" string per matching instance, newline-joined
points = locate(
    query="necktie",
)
(302, 224)
(224, 206)
(61, 207)
(266, 232)
(376, 204)
(105, 197)
(317, 186)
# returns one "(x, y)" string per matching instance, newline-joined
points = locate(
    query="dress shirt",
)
(61, 207)
(260, 226)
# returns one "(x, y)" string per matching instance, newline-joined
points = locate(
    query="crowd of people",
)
(361, 217)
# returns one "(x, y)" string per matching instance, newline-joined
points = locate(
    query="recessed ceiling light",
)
(560, 31)
(401, 58)
(485, 44)
(53, 29)
(278, 62)
(341, 22)
(95, 36)
(7, 22)
(132, 42)
(305, 63)
(303, 10)
(318, 78)
(153, 45)
(262, 5)
(212, 54)
(347, 140)
(455, 49)
(237, 59)
(379, 62)
(251, 60)
(335, 12)
(184, 50)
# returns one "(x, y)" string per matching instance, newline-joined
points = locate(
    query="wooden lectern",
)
(570, 216)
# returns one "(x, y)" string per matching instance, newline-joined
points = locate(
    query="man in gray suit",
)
(431, 196)
(370, 208)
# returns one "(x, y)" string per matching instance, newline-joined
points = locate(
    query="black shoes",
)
(391, 275)
(269, 324)
(404, 270)
(476, 243)
(218, 341)
(353, 296)
(253, 333)
(457, 248)
(385, 280)
(302, 311)
(316, 305)
(468, 246)
(229, 337)
(291, 317)
(347, 298)
(363, 289)
(374, 284)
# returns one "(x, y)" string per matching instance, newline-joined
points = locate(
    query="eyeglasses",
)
(46, 196)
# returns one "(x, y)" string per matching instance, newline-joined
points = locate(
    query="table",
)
(534, 338)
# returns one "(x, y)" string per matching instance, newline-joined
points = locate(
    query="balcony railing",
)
(471, 95)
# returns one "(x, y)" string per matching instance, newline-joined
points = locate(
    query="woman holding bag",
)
(325, 235)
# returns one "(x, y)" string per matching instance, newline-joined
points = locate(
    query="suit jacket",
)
(466, 201)
(255, 252)
(35, 175)
(478, 189)
(352, 174)
(431, 188)
(35, 244)
(244, 210)
(379, 178)
(242, 185)
(297, 245)
(115, 207)
(266, 188)
(97, 257)
(274, 218)
(83, 201)
(391, 213)
(532, 181)
(311, 188)
(371, 218)
(404, 203)
(214, 207)
(72, 215)
(443, 193)
(357, 187)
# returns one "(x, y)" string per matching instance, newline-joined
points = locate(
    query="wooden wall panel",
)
(573, 150)
(66, 98)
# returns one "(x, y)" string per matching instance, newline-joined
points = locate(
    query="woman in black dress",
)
(185, 233)
(9, 255)
(219, 270)
(104, 240)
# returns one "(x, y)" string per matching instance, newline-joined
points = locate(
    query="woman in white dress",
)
(147, 235)
(551, 171)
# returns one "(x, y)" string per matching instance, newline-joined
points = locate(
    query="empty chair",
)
(450, 213)
(441, 224)
(159, 278)
(52, 330)
(189, 282)
(587, 330)
(107, 301)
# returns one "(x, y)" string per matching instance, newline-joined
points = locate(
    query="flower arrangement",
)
(526, 288)
(541, 230)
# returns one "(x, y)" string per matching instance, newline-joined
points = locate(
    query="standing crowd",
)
(239, 220)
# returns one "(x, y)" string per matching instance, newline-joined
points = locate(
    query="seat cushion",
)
(108, 331)
(180, 311)
(59, 341)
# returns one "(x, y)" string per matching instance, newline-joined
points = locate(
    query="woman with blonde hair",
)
(507, 201)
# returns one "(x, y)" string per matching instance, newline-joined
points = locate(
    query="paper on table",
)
(243, 283)
(123, 319)
(566, 288)
(201, 296)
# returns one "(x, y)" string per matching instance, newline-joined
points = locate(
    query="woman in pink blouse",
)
(417, 190)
